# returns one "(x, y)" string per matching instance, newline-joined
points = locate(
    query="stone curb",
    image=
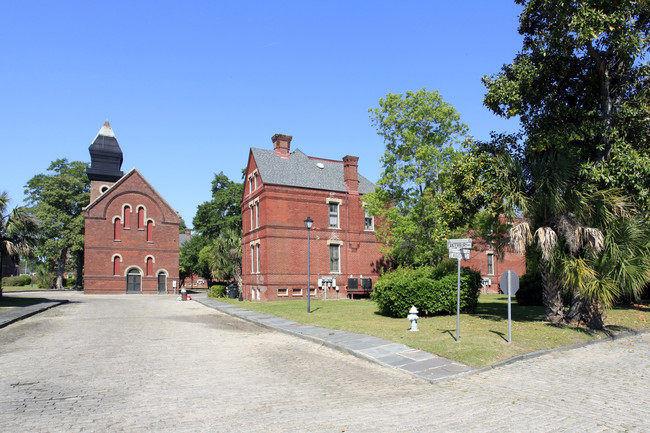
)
(15, 314)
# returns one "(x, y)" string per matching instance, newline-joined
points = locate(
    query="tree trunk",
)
(577, 309)
(594, 315)
(60, 268)
(80, 270)
(552, 297)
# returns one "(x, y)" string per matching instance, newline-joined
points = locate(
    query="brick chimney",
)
(282, 145)
(350, 174)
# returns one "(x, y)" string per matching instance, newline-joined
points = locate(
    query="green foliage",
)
(17, 232)
(433, 290)
(414, 208)
(189, 256)
(44, 277)
(530, 289)
(70, 282)
(225, 256)
(57, 199)
(223, 211)
(580, 89)
(217, 291)
(17, 281)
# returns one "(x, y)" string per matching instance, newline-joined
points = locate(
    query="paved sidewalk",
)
(15, 314)
(394, 355)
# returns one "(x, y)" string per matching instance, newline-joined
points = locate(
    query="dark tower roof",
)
(105, 156)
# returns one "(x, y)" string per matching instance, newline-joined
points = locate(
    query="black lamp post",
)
(308, 223)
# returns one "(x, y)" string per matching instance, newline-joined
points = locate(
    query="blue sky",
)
(190, 86)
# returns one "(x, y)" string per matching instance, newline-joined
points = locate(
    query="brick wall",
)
(133, 248)
(282, 239)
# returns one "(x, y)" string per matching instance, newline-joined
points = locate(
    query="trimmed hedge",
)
(17, 281)
(433, 290)
(217, 291)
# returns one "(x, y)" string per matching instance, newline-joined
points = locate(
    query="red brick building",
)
(131, 233)
(283, 188)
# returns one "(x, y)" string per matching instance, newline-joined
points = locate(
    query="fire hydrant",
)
(183, 294)
(413, 317)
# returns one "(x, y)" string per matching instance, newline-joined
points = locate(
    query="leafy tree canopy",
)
(223, 211)
(412, 202)
(17, 232)
(57, 200)
(580, 88)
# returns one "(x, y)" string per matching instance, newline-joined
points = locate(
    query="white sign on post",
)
(458, 249)
(459, 254)
(459, 244)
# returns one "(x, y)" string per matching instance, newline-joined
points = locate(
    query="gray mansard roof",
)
(302, 171)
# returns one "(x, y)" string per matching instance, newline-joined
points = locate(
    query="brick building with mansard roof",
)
(283, 188)
(131, 232)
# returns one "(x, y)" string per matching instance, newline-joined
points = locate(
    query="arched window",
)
(117, 230)
(116, 265)
(127, 217)
(149, 266)
(141, 218)
(149, 231)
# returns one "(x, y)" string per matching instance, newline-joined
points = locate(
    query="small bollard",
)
(413, 317)
(183, 294)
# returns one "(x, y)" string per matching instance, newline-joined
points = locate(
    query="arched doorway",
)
(162, 283)
(133, 281)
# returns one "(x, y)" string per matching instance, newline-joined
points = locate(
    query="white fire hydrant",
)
(413, 317)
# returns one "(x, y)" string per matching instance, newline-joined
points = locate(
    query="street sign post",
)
(509, 285)
(459, 254)
(458, 249)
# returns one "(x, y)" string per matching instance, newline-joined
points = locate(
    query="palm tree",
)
(589, 241)
(226, 256)
(17, 231)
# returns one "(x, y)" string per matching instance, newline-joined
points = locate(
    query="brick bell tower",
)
(105, 162)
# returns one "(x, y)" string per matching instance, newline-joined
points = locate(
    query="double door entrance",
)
(134, 282)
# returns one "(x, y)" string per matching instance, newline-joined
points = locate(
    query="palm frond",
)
(546, 241)
(520, 236)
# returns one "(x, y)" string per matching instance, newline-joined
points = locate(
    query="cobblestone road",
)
(149, 363)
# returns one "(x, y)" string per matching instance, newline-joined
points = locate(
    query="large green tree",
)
(57, 199)
(17, 232)
(419, 130)
(580, 89)
(226, 256)
(215, 220)
(223, 211)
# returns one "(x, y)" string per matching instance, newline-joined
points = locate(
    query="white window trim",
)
(329, 247)
(338, 202)
(490, 255)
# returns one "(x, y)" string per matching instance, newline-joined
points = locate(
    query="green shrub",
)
(217, 291)
(70, 282)
(17, 281)
(433, 290)
(530, 289)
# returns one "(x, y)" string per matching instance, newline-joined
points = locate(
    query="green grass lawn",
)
(483, 334)
(21, 288)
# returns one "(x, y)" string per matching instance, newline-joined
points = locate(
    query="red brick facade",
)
(278, 197)
(130, 231)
